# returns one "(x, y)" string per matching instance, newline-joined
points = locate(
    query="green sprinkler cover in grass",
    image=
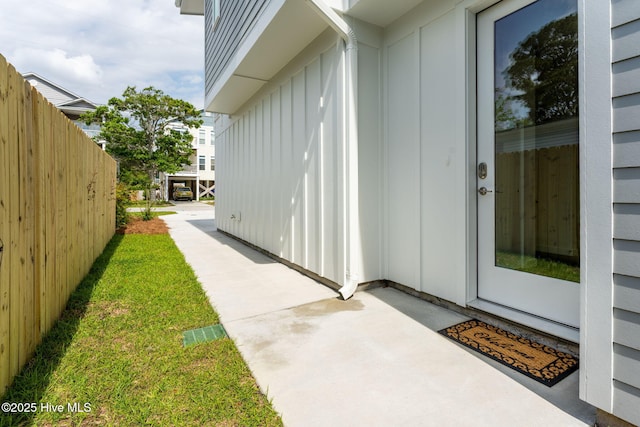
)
(208, 333)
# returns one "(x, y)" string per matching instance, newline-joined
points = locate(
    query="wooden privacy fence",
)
(57, 213)
(537, 202)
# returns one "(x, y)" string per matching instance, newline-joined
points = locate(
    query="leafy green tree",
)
(135, 129)
(544, 70)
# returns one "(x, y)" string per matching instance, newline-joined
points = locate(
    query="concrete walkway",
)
(374, 360)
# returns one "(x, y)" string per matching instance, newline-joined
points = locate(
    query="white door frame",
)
(466, 13)
(501, 285)
(596, 156)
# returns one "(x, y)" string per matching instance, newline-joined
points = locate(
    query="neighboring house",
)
(200, 175)
(418, 143)
(69, 103)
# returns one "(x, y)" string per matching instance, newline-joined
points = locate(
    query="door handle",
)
(483, 191)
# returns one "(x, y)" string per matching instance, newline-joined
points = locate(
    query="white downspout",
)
(352, 241)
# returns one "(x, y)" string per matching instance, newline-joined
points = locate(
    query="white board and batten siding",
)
(626, 194)
(280, 186)
(425, 158)
(281, 165)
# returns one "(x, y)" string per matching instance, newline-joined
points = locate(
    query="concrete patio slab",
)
(374, 360)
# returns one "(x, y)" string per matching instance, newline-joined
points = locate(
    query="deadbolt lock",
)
(482, 170)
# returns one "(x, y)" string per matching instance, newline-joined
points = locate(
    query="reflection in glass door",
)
(536, 141)
(528, 133)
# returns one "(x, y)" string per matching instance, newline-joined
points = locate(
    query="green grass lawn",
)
(541, 266)
(118, 348)
(143, 204)
(153, 213)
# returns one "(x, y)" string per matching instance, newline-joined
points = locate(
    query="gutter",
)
(351, 215)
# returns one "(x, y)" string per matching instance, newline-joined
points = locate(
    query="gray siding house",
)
(625, 93)
(69, 103)
(417, 143)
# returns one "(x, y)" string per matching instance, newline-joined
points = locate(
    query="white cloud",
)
(192, 79)
(97, 48)
(82, 68)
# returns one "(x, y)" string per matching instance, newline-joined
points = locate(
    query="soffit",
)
(381, 12)
(190, 7)
(280, 35)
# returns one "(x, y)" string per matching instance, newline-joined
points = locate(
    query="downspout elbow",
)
(351, 41)
(336, 22)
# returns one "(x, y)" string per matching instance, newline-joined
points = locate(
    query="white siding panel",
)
(288, 184)
(403, 148)
(241, 174)
(626, 76)
(237, 197)
(627, 293)
(234, 195)
(439, 159)
(275, 189)
(227, 193)
(626, 149)
(247, 168)
(626, 221)
(626, 41)
(627, 257)
(626, 174)
(257, 174)
(312, 166)
(225, 173)
(268, 193)
(626, 326)
(331, 190)
(220, 172)
(626, 365)
(625, 402)
(297, 177)
(272, 160)
(626, 187)
(223, 150)
(624, 11)
(370, 167)
(267, 173)
(626, 110)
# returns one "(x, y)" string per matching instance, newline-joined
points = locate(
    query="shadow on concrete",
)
(208, 226)
(563, 395)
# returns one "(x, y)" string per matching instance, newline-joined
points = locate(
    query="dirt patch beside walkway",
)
(138, 226)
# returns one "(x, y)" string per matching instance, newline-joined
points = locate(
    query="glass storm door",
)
(527, 175)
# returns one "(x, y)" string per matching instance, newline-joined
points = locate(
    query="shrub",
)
(123, 199)
(147, 214)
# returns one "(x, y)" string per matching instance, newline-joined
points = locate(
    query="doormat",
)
(543, 364)
(208, 333)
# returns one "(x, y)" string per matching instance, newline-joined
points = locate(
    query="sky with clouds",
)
(96, 48)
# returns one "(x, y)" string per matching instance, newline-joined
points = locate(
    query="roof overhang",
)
(191, 7)
(381, 12)
(285, 28)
